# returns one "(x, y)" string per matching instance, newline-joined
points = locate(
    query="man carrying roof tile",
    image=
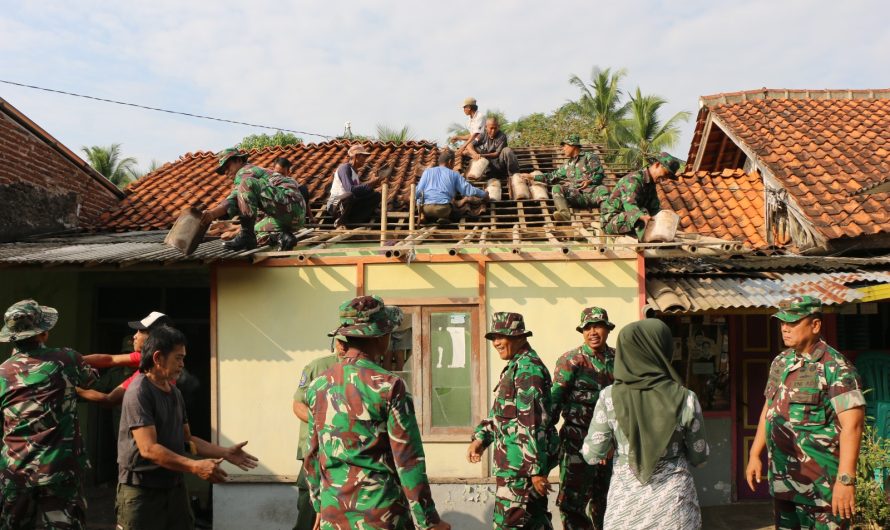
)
(580, 375)
(520, 427)
(475, 125)
(267, 203)
(365, 457)
(439, 188)
(811, 425)
(493, 146)
(352, 202)
(634, 200)
(578, 182)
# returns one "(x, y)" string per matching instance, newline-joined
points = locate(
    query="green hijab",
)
(647, 394)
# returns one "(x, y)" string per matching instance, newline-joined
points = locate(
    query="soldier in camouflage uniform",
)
(364, 455)
(634, 199)
(811, 425)
(258, 192)
(578, 182)
(42, 459)
(579, 377)
(520, 427)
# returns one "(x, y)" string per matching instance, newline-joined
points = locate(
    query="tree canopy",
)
(258, 141)
(109, 162)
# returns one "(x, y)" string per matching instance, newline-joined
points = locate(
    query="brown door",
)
(757, 342)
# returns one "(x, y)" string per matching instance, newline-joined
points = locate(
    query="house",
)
(800, 177)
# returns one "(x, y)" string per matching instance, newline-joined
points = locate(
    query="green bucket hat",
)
(225, 155)
(594, 315)
(572, 139)
(367, 316)
(671, 163)
(508, 324)
(794, 309)
(26, 319)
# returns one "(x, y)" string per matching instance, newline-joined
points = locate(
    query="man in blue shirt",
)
(439, 188)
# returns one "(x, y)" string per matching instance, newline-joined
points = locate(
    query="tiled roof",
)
(822, 146)
(727, 204)
(155, 201)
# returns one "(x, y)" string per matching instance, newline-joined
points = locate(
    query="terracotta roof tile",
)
(836, 149)
(727, 204)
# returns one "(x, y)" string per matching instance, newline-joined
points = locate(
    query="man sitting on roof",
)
(439, 189)
(578, 182)
(475, 125)
(352, 202)
(258, 191)
(493, 146)
(282, 166)
(634, 200)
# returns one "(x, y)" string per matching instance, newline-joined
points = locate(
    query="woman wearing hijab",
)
(657, 426)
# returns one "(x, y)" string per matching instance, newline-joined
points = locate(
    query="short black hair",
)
(446, 156)
(283, 162)
(31, 343)
(474, 108)
(163, 339)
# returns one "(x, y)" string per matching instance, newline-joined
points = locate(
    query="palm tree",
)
(108, 162)
(643, 134)
(385, 133)
(601, 102)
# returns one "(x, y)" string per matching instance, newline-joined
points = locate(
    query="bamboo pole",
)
(412, 205)
(383, 197)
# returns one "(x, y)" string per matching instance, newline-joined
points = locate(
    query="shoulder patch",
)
(303, 380)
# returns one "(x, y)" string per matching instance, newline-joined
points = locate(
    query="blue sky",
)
(312, 66)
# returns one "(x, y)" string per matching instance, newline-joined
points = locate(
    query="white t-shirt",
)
(337, 188)
(476, 123)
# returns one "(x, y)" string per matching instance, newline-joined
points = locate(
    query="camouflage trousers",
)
(579, 198)
(277, 204)
(60, 506)
(792, 516)
(623, 223)
(519, 506)
(582, 489)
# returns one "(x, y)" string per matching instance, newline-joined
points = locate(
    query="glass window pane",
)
(450, 369)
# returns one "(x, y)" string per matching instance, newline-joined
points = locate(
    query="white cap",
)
(153, 318)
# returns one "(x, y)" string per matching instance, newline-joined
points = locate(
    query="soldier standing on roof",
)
(520, 426)
(811, 425)
(634, 199)
(579, 377)
(258, 191)
(42, 459)
(578, 182)
(364, 455)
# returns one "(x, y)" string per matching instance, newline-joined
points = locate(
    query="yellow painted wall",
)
(272, 320)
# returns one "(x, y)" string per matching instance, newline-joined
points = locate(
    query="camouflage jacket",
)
(41, 434)
(579, 378)
(582, 172)
(279, 188)
(519, 422)
(312, 370)
(633, 194)
(364, 449)
(804, 395)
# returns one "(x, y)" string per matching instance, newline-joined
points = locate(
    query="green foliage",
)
(386, 133)
(872, 506)
(108, 162)
(643, 133)
(600, 103)
(258, 141)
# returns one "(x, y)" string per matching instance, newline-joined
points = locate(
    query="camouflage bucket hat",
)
(572, 139)
(671, 163)
(367, 316)
(508, 324)
(26, 319)
(226, 154)
(794, 309)
(594, 315)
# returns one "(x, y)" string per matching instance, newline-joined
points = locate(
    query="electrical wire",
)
(146, 107)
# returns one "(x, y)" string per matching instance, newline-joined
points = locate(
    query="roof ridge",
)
(728, 98)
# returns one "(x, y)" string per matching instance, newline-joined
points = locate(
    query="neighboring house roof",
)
(821, 147)
(706, 200)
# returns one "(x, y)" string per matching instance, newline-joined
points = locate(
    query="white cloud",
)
(311, 66)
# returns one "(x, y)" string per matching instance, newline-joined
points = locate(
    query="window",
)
(701, 357)
(436, 351)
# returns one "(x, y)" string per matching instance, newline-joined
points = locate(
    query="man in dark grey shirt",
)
(154, 434)
(493, 146)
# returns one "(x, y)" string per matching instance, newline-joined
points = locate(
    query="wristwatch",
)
(846, 480)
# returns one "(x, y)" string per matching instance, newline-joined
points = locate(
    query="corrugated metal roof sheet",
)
(695, 293)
